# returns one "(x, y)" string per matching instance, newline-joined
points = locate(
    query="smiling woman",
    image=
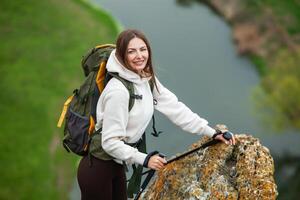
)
(121, 129)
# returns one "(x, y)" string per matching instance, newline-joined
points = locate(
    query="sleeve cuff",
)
(145, 164)
(140, 158)
(209, 131)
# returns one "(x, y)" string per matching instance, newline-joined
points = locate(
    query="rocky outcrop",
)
(243, 171)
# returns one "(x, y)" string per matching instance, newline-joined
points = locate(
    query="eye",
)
(144, 49)
(130, 51)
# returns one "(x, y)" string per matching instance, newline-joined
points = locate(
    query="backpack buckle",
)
(136, 96)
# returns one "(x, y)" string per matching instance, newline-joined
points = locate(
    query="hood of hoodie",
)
(114, 65)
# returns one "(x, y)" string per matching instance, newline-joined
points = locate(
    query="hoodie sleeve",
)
(115, 118)
(179, 113)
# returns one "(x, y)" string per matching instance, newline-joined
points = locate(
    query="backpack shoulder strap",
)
(128, 85)
(151, 85)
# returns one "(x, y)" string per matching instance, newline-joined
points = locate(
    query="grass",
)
(41, 47)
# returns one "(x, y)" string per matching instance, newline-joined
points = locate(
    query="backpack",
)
(79, 109)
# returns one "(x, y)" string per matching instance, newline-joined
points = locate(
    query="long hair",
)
(121, 51)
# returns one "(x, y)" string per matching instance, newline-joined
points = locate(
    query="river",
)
(195, 58)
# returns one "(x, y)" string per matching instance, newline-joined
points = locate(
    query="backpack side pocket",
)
(76, 132)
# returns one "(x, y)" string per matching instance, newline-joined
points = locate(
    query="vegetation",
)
(41, 47)
(281, 91)
(286, 12)
(280, 82)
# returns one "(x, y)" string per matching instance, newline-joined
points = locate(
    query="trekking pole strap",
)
(150, 172)
(145, 183)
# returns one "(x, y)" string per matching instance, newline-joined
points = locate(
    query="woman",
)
(132, 60)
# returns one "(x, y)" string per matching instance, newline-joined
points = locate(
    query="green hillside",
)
(41, 47)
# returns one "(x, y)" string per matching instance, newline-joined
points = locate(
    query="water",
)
(195, 58)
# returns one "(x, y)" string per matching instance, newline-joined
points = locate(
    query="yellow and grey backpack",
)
(79, 110)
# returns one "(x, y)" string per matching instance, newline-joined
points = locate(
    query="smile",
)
(139, 62)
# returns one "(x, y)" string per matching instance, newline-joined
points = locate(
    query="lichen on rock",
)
(242, 171)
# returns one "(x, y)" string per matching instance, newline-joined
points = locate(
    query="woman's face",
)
(137, 54)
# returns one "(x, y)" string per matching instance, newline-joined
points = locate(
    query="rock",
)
(248, 39)
(229, 9)
(243, 171)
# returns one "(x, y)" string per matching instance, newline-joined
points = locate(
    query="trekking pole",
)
(151, 172)
(227, 135)
(207, 144)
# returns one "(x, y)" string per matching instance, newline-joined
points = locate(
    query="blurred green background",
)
(41, 47)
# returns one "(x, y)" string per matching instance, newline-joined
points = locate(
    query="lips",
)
(139, 62)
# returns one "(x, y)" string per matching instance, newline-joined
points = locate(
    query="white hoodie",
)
(119, 125)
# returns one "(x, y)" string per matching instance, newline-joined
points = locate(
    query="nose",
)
(138, 54)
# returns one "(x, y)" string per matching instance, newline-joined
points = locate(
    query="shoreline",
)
(256, 31)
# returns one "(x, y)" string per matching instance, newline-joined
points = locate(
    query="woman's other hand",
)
(227, 140)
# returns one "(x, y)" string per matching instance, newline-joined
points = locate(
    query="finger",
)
(162, 160)
(160, 167)
(223, 139)
(157, 167)
(155, 164)
(226, 141)
(220, 137)
(160, 164)
(234, 141)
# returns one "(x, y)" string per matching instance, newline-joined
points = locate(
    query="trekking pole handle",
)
(162, 155)
(227, 135)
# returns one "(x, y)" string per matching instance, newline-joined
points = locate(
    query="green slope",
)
(41, 46)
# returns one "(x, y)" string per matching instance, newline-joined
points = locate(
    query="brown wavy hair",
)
(121, 51)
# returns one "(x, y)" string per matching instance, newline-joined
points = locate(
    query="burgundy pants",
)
(103, 180)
